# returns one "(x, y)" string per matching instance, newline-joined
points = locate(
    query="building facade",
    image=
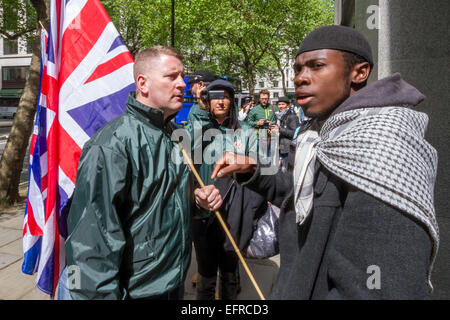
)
(275, 83)
(15, 60)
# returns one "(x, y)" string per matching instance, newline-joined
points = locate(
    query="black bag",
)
(264, 242)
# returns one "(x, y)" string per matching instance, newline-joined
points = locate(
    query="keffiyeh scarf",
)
(381, 151)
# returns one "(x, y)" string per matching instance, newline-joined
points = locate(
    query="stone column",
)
(414, 40)
(367, 20)
(362, 15)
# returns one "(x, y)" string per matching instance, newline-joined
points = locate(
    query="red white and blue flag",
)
(86, 75)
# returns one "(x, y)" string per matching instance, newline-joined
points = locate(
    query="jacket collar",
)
(267, 106)
(216, 124)
(146, 113)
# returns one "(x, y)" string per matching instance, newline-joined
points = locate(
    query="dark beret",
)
(337, 38)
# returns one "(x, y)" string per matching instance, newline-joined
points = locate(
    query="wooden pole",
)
(224, 226)
(42, 26)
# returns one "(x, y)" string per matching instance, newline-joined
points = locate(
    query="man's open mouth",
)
(304, 99)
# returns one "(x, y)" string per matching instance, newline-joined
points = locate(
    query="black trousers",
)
(209, 238)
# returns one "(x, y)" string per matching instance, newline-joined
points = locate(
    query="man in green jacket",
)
(129, 219)
(262, 117)
(263, 111)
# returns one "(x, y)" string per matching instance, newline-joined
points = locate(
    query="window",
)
(275, 94)
(261, 84)
(30, 44)
(14, 77)
(9, 101)
(275, 84)
(10, 47)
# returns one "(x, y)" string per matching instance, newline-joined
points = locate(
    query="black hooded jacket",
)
(352, 245)
(288, 123)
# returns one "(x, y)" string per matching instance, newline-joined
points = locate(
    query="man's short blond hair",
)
(141, 60)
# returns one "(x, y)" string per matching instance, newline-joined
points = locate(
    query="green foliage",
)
(127, 18)
(239, 38)
(18, 19)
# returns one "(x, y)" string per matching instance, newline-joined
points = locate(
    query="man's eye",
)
(318, 65)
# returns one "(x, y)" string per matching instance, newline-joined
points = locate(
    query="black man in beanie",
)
(357, 214)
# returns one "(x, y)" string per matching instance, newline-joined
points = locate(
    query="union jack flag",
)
(86, 75)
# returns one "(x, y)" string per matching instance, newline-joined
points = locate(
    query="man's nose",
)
(181, 83)
(302, 78)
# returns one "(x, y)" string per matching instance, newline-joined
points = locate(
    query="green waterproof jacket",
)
(129, 219)
(197, 114)
(259, 112)
(211, 140)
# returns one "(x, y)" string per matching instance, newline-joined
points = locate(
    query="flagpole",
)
(42, 26)
(224, 226)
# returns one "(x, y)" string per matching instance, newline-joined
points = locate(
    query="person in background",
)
(199, 81)
(287, 123)
(243, 113)
(262, 117)
(262, 113)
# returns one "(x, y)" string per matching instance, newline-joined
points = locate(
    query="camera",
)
(266, 125)
(206, 95)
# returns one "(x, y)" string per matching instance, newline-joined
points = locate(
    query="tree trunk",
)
(280, 68)
(283, 79)
(15, 149)
(251, 81)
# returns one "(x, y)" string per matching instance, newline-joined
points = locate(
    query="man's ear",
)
(360, 73)
(142, 84)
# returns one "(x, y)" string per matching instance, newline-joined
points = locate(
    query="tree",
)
(14, 153)
(18, 20)
(302, 17)
(239, 38)
(126, 16)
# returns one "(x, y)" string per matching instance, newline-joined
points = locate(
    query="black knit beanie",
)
(337, 38)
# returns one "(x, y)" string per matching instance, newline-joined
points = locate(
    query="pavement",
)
(14, 285)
